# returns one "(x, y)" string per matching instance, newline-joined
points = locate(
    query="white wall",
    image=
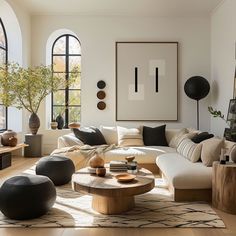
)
(223, 39)
(17, 24)
(98, 36)
(14, 40)
(24, 21)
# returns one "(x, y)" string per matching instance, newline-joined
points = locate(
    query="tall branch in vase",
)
(27, 87)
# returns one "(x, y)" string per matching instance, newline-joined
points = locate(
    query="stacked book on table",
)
(119, 166)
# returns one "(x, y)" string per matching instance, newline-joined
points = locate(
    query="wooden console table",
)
(5, 154)
(4, 149)
(224, 187)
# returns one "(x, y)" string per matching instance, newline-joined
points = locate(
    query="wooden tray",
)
(125, 178)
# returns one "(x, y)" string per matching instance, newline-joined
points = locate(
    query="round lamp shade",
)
(197, 87)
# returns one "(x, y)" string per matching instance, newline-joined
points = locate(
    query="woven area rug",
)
(153, 209)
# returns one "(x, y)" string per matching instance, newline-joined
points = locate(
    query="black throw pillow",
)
(201, 137)
(155, 136)
(91, 136)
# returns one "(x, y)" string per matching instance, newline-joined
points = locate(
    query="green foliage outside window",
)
(27, 87)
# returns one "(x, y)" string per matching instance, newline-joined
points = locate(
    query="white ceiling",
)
(161, 8)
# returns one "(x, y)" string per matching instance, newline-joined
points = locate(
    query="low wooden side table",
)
(5, 154)
(224, 187)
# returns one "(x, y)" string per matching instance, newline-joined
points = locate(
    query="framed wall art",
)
(146, 81)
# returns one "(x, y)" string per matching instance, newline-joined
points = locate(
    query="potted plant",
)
(27, 87)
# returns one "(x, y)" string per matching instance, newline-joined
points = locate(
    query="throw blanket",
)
(86, 150)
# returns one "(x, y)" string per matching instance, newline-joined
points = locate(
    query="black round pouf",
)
(58, 169)
(26, 197)
(197, 87)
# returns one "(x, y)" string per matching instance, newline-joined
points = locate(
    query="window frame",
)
(6, 61)
(67, 72)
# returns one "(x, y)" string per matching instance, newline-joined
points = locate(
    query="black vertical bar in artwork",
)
(136, 80)
(156, 79)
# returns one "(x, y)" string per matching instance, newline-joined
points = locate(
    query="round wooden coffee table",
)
(109, 195)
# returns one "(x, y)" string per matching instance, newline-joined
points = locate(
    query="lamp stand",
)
(197, 114)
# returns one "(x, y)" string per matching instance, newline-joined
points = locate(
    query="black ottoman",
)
(58, 169)
(26, 197)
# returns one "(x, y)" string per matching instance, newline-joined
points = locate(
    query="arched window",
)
(66, 54)
(3, 60)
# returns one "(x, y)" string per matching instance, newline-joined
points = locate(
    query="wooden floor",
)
(20, 164)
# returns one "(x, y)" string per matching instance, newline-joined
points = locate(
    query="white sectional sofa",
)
(144, 155)
(187, 180)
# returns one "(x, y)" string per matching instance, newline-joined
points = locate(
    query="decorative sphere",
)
(196, 87)
(101, 171)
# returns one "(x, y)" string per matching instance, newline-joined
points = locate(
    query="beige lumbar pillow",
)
(211, 149)
(189, 149)
(129, 137)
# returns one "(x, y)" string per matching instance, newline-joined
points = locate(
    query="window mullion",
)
(67, 79)
(5, 50)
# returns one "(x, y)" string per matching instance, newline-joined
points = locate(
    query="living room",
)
(107, 36)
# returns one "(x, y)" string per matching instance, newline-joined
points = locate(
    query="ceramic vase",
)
(34, 123)
(12, 141)
(54, 125)
(96, 161)
(7, 136)
(60, 122)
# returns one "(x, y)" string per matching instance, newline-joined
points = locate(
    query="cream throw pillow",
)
(110, 134)
(129, 137)
(189, 149)
(177, 138)
(211, 149)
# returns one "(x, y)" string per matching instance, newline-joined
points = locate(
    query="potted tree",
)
(27, 87)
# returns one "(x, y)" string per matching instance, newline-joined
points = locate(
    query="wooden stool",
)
(224, 187)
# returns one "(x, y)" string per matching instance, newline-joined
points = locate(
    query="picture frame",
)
(230, 134)
(231, 116)
(146, 81)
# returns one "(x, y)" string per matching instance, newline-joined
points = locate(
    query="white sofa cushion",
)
(170, 133)
(144, 154)
(190, 150)
(110, 134)
(183, 174)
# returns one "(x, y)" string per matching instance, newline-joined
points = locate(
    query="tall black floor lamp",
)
(197, 88)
